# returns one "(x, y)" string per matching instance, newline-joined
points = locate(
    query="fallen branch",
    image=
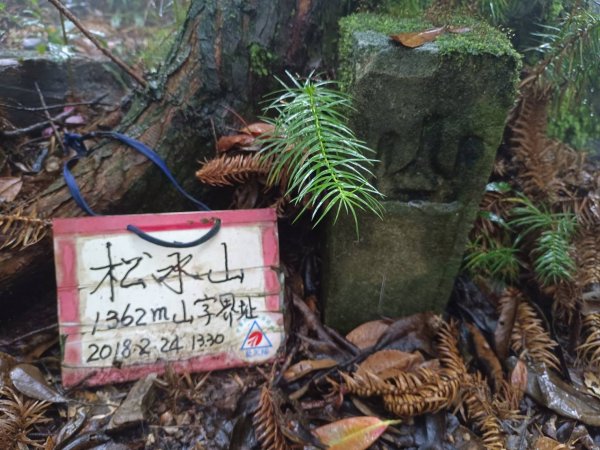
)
(52, 124)
(31, 333)
(36, 126)
(20, 107)
(118, 61)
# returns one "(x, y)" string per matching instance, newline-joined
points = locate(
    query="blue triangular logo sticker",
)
(256, 338)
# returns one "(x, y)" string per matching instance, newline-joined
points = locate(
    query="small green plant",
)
(569, 65)
(492, 259)
(506, 235)
(316, 152)
(553, 233)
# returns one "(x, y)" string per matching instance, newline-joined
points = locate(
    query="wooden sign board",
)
(128, 307)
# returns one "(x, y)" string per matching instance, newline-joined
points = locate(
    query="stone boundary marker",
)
(435, 116)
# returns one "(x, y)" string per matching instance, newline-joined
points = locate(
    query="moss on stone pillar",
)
(435, 117)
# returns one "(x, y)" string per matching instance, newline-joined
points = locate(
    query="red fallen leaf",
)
(413, 40)
(258, 128)
(307, 366)
(387, 363)
(354, 433)
(367, 334)
(226, 143)
(9, 188)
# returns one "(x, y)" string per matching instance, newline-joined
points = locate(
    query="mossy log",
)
(223, 59)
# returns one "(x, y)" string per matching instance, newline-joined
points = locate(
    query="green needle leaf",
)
(312, 146)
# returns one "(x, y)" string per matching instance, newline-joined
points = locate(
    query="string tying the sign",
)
(77, 143)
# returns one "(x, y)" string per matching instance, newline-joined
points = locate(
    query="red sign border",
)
(66, 231)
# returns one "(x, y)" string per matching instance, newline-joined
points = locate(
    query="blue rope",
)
(77, 143)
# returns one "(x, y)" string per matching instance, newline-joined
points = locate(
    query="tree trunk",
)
(223, 59)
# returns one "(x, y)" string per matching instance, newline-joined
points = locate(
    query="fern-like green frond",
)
(528, 217)
(552, 263)
(553, 232)
(569, 53)
(314, 149)
(491, 259)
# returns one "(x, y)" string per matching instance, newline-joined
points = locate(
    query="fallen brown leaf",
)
(413, 40)
(387, 363)
(29, 381)
(431, 364)
(518, 376)
(226, 143)
(412, 332)
(134, 408)
(307, 366)
(258, 128)
(508, 312)
(49, 444)
(353, 433)
(565, 399)
(546, 443)
(9, 188)
(486, 355)
(367, 334)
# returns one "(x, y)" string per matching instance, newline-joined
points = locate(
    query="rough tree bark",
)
(210, 69)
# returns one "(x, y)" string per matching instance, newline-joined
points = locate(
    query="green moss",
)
(555, 10)
(379, 23)
(479, 40)
(575, 124)
(260, 59)
(482, 39)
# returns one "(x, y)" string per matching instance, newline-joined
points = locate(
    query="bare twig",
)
(20, 107)
(52, 124)
(32, 333)
(36, 126)
(64, 30)
(36, 109)
(118, 61)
